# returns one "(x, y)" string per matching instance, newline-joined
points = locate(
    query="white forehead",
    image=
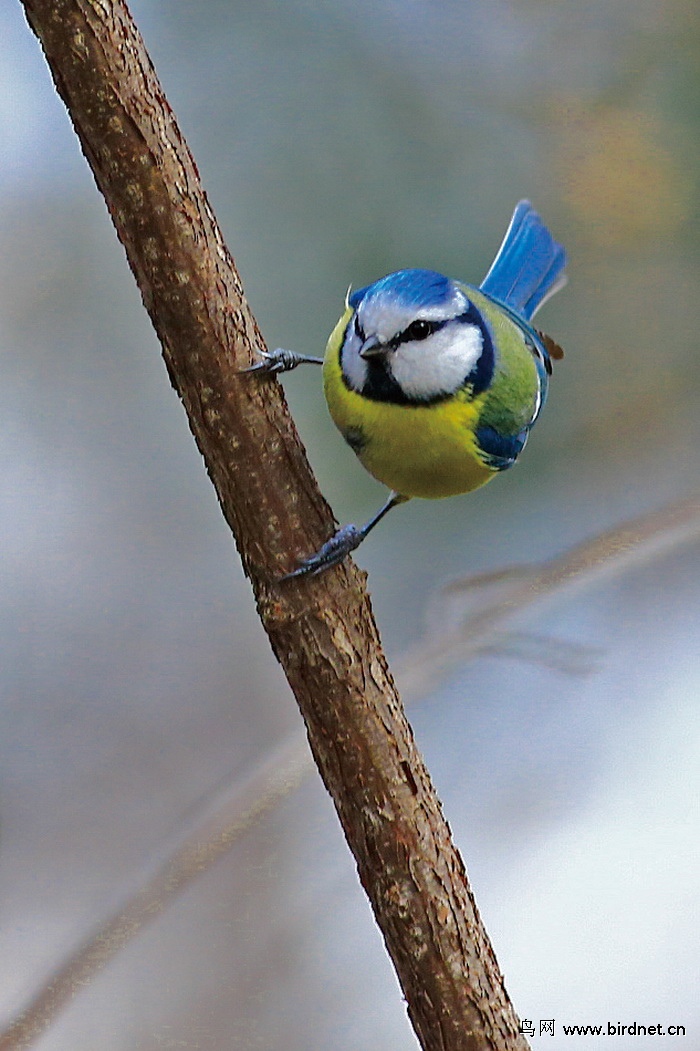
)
(385, 315)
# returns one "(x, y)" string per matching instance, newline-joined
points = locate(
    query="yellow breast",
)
(427, 451)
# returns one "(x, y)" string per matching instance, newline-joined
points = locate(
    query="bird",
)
(435, 384)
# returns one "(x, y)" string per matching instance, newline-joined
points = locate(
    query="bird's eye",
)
(359, 331)
(419, 329)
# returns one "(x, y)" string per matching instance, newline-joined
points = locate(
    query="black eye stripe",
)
(418, 330)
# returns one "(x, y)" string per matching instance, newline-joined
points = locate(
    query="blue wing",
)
(529, 266)
(500, 451)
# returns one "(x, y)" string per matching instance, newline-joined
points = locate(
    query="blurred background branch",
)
(213, 833)
(474, 615)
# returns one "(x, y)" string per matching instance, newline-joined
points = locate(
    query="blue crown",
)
(412, 288)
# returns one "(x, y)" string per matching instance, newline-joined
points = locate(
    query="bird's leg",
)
(343, 542)
(281, 360)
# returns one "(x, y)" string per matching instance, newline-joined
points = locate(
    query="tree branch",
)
(321, 631)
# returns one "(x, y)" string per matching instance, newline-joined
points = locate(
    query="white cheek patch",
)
(427, 368)
(353, 366)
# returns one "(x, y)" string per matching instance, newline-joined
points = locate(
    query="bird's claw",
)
(280, 360)
(330, 554)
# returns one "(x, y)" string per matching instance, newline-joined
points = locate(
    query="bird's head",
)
(412, 337)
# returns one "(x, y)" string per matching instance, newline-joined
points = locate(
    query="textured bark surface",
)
(321, 631)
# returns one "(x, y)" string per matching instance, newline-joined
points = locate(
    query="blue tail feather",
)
(529, 266)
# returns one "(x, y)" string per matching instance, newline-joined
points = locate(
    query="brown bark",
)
(322, 630)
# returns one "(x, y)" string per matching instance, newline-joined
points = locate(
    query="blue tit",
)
(435, 384)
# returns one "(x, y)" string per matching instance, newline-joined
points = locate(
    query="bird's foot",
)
(331, 554)
(281, 360)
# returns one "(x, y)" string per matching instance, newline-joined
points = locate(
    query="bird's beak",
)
(372, 348)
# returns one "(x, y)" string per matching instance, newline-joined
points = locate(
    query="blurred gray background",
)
(337, 142)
